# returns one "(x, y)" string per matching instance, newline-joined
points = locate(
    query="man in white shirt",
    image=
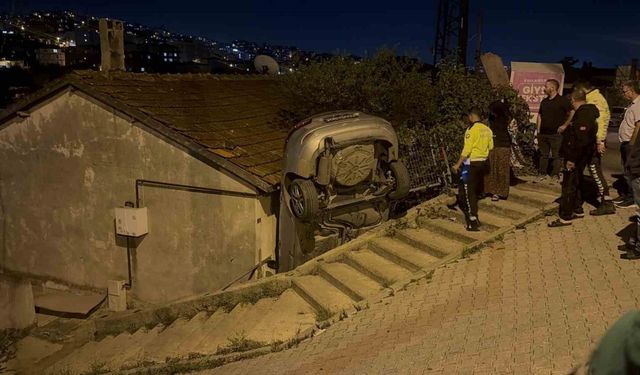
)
(631, 91)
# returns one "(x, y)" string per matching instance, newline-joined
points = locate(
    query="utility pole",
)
(479, 43)
(452, 31)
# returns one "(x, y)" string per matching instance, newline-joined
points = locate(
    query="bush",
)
(385, 86)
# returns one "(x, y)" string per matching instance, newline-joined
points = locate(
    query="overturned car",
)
(341, 171)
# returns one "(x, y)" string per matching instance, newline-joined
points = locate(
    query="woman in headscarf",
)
(496, 182)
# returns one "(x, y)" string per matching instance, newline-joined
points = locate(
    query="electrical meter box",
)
(132, 222)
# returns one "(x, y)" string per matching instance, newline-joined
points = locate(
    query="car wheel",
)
(401, 180)
(303, 199)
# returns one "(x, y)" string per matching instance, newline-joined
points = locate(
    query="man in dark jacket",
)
(578, 146)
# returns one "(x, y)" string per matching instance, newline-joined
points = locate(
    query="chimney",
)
(111, 45)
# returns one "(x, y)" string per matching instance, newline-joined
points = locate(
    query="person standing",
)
(554, 117)
(478, 141)
(577, 147)
(496, 181)
(606, 206)
(631, 91)
(632, 169)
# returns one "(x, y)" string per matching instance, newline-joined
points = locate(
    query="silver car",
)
(617, 115)
(335, 161)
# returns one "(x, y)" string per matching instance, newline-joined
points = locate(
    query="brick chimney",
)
(111, 45)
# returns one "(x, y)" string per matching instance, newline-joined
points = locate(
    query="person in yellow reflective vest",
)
(472, 166)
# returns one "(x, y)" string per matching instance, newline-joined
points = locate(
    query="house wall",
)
(65, 167)
(16, 299)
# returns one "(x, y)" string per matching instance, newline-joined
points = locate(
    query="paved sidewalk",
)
(535, 303)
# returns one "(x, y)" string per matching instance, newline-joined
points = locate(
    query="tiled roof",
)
(234, 118)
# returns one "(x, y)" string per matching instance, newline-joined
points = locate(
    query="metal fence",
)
(425, 158)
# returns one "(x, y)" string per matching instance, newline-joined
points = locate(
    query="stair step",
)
(384, 271)
(531, 197)
(236, 325)
(135, 352)
(321, 294)
(153, 350)
(209, 328)
(251, 319)
(28, 351)
(490, 221)
(401, 253)
(356, 285)
(453, 230)
(290, 315)
(108, 353)
(210, 344)
(507, 208)
(168, 342)
(81, 359)
(553, 188)
(493, 221)
(430, 242)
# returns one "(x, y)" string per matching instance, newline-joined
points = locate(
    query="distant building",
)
(51, 56)
(152, 58)
(192, 50)
(82, 37)
(6, 64)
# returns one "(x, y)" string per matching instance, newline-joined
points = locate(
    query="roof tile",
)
(235, 117)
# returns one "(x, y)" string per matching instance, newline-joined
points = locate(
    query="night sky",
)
(606, 32)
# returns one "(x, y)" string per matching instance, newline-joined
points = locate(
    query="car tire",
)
(303, 199)
(402, 180)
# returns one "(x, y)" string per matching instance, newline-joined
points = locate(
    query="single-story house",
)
(201, 152)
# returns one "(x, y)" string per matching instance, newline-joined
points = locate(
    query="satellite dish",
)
(266, 65)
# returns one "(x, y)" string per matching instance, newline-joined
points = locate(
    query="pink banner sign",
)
(530, 86)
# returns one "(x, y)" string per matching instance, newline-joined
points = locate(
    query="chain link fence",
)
(425, 158)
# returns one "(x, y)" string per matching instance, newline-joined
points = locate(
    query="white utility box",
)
(117, 295)
(132, 222)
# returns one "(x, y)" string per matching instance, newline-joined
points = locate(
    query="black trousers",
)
(571, 199)
(472, 189)
(625, 148)
(595, 169)
(549, 145)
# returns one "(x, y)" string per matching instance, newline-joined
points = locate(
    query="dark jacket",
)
(499, 119)
(579, 140)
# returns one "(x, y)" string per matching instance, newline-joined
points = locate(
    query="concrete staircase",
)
(323, 288)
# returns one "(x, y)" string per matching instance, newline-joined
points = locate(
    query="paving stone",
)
(532, 304)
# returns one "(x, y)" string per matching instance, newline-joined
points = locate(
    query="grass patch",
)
(251, 296)
(239, 343)
(96, 368)
(343, 315)
(323, 314)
